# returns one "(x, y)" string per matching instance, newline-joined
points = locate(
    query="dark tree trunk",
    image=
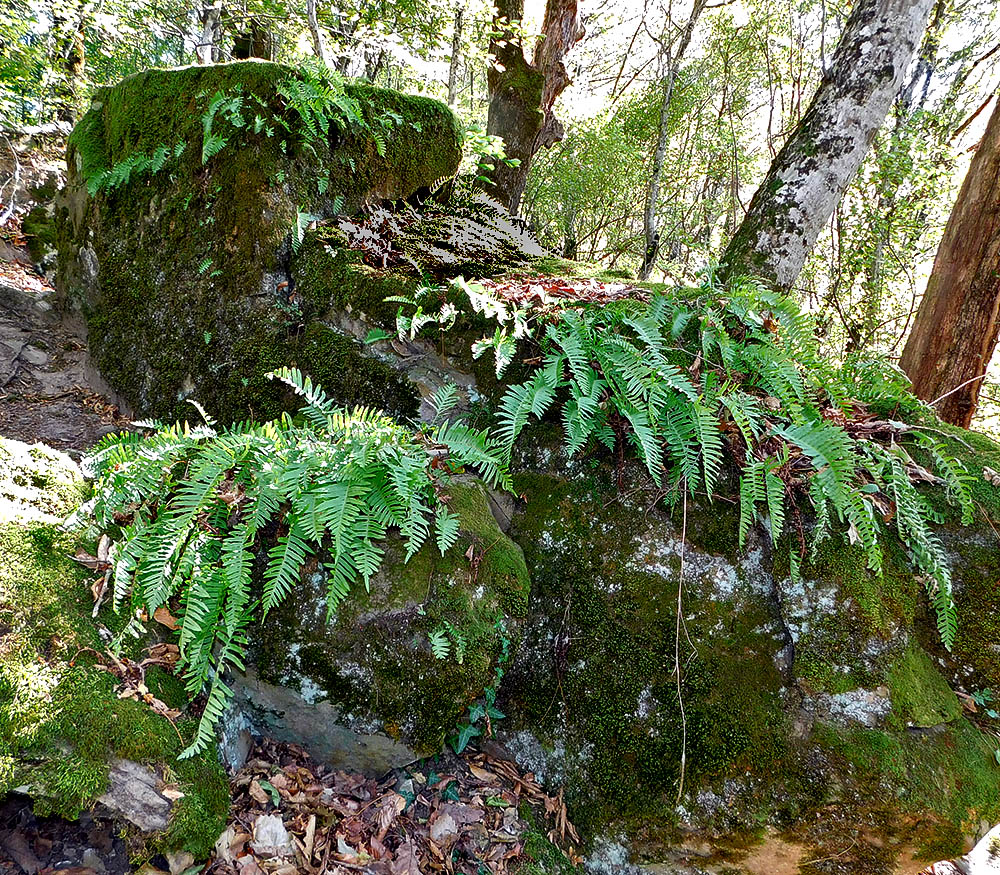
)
(809, 175)
(955, 331)
(522, 93)
(456, 45)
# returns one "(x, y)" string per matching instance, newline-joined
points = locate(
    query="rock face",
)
(687, 694)
(364, 690)
(179, 259)
(824, 697)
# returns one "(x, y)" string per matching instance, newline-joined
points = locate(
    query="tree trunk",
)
(69, 58)
(319, 45)
(456, 43)
(207, 49)
(649, 222)
(522, 94)
(809, 175)
(955, 330)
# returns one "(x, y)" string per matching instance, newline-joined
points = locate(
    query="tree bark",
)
(456, 44)
(954, 334)
(809, 175)
(649, 222)
(522, 93)
(319, 45)
(69, 58)
(207, 49)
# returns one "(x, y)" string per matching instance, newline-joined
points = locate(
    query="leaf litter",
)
(454, 814)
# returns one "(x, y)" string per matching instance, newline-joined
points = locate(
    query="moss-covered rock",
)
(822, 699)
(182, 272)
(62, 725)
(65, 735)
(364, 688)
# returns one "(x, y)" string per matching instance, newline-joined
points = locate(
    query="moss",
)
(60, 720)
(40, 232)
(920, 696)
(373, 660)
(615, 678)
(214, 316)
(945, 782)
(546, 858)
(37, 480)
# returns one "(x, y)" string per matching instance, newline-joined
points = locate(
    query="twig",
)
(953, 391)
(831, 857)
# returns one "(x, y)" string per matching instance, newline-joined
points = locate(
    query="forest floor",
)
(46, 391)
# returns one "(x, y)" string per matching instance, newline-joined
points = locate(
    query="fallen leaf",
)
(482, 774)
(165, 618)
(258, 792)
(406, 861)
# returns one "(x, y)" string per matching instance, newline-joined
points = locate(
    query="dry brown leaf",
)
(482, 774)
(259, 793)
(165, 618)
(388, 810)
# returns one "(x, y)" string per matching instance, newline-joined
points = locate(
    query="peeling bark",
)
(810, 174)
(522, 93)
(954, 334)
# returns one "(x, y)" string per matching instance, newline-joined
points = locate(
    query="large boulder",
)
(187, 193)
(821, 707)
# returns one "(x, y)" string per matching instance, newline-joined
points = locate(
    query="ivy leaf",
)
(466, 732)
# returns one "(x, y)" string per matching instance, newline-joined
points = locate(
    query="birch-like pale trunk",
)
(319, 44)
(649, 218)
(211, 23)
(809, 176)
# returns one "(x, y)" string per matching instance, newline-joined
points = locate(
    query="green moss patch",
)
(193, 295)
(37, 481)
(598, 683)
(373, 660)
(920, 695)
(60, 719)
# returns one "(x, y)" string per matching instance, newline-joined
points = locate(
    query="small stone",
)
(270, 838)
(92, 860)
(179, 861)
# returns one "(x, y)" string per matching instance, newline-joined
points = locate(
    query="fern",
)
(693, 376)
(189, 506)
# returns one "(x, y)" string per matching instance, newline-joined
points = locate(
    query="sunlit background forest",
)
(741, 74)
